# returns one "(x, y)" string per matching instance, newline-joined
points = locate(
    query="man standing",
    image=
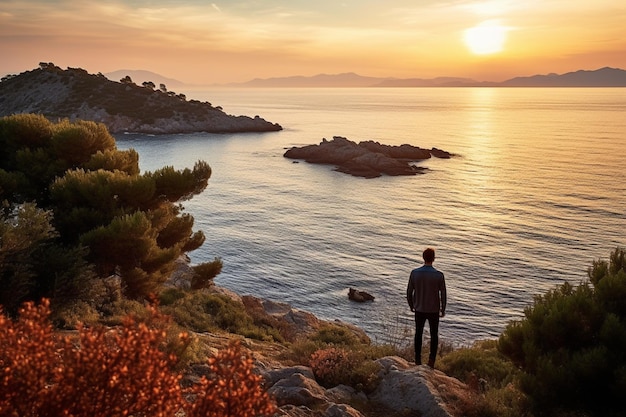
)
(426, 295)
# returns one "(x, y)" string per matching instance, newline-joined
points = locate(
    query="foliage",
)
(336, 335)
(204, 274)
(571, 345)
(120, 371)
(334, 366)
(491, 376)
(22, 234)
(99, 208)
(31, 265)
(97, 376)
(233, 389)
(480, 362)
(202, 311)
(331, 366)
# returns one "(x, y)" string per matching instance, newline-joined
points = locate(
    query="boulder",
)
(366, 159)
(420, 388)
(359, 296)
(297, 393)
(298, 389)
(402, 388)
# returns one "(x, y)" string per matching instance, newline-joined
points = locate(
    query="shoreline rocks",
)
(366, 159)
(403, 387)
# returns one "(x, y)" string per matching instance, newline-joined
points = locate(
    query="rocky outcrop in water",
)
(122, 106)
(366, 159)
(359, 296)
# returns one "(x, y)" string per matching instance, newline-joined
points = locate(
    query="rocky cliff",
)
(122, 106)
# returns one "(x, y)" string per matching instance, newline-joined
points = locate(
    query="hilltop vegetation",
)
(122, 106)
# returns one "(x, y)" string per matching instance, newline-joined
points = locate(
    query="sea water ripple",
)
(536, 194)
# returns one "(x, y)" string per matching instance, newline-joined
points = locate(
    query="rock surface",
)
(367, 159)
(403, 388)
(121, 106)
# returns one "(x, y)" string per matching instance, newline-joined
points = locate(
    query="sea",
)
(535, 193)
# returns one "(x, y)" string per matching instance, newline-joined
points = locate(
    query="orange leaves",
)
(114, 372)
(233, 390)
(331, 366)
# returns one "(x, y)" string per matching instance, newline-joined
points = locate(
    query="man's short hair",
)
(429, 255)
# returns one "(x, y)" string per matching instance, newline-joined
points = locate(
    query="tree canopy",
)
(76, 208)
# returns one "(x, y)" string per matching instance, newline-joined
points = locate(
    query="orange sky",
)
(203, 42)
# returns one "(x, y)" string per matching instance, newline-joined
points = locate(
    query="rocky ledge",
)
(366, 159)
(122, 106)
(403, 388)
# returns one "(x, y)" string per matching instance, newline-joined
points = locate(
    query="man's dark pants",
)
(433, 323)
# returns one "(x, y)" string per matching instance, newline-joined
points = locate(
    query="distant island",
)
(603, 77)
(122, 106)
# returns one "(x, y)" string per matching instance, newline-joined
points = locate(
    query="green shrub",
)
(492, 378)
(481, 361)
(571, 345)
(300, 351)
(202, 311)
(332, 334)
(169, 296)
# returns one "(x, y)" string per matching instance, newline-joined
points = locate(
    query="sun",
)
(486, 38)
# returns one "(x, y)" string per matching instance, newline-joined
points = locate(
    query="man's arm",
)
(444, 296)
(410, 290)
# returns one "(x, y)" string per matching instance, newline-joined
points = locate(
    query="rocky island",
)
(366, 159)
(122, 106)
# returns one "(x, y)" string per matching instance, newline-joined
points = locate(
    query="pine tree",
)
(124, 222)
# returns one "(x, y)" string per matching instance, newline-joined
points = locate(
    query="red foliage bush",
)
(114, 372)
(332, 366)
(233, 389)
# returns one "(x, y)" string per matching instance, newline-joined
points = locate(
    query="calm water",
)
(537, 193)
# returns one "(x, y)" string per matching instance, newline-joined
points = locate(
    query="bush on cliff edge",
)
(571, 345)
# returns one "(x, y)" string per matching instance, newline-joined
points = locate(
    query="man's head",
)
(429, 255)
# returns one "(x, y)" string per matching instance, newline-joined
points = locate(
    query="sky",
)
(204, 42)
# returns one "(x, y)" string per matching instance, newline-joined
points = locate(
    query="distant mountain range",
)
(139, 76)
(603, 77)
